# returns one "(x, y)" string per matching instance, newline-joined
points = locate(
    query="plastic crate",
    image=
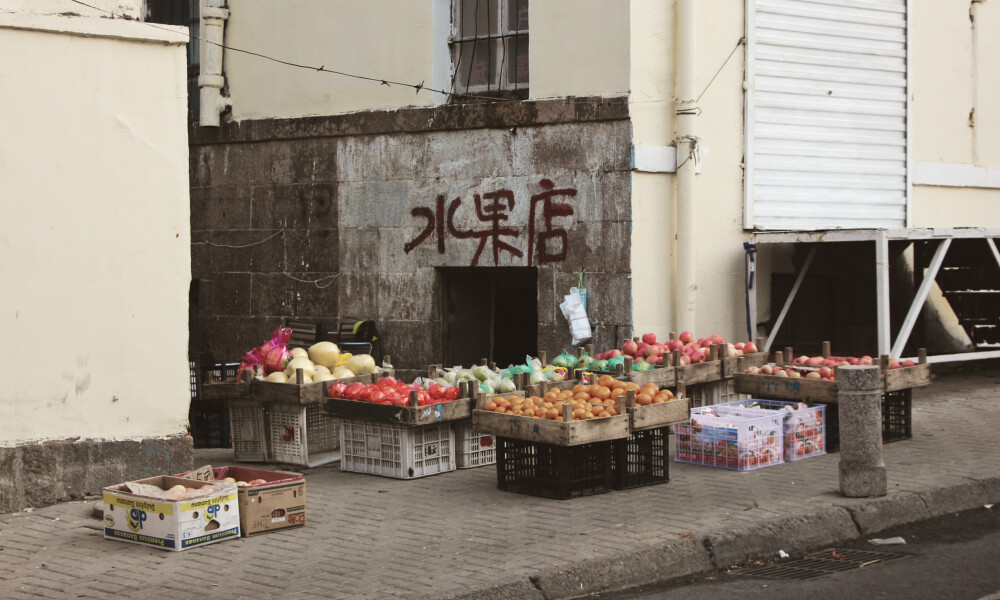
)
(209, 425)
(474, 448)
(302, 435)
(897, 416)
(400, 451)
(551, 471)
(732, 438)
(641, 459)
(804, 430)
(246, 422)
(712, 392)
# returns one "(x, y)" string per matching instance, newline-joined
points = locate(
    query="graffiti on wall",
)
(549, 241)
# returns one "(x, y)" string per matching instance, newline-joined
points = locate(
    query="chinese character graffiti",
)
(550, 241)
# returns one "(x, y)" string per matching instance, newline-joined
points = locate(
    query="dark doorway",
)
(490, 313)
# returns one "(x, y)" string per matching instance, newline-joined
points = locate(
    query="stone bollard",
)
(862, 470)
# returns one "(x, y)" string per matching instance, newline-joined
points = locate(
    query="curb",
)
(800, 533)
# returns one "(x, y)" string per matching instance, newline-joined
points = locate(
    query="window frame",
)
(502, 36)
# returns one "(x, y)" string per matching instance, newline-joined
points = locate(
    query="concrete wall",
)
(95, 264)
(338, 218)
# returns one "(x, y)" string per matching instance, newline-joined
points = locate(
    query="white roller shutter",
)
(826, 114)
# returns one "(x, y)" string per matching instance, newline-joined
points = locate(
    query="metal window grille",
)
(489, 45)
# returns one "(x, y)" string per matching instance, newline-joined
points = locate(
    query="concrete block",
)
(991, 488)
(233, 336)
(11, 490)
(359, 296)
(304, 161)
(230, 294)
(862, 480)
(648, 566)
(302, 206)
(558, 149)
(454, 155)
(412, 296)
(310, 250)
(878, 514)
(412, 344)
(236, 251)
(380, 203)
(792, 534)
(221, 207)
(955, 498)
(548, 299)
(520, 589)
(358, 250)
(241, 164)
(382, 157)
(280, 294)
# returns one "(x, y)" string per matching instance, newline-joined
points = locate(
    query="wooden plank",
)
(226, 391)
(653, 416)
(790, 388)
(730, 364)
(700, 373)
(430, 414)
(661, 376)
(906, 377)
(533, 429)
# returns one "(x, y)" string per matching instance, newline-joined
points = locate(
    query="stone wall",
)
(44, 473)
(348, 217)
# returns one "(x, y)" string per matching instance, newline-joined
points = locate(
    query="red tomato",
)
(352, 391)
(387, 381)
(337, 390)
(376, 396)
(365, 395)
(452, 393)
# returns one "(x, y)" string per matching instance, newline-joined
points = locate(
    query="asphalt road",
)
(955, 557)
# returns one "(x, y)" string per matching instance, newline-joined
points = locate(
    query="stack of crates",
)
(303, 435)
(209, 421)
(641, 459)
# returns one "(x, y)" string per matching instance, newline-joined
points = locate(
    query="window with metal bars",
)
(489, 46)
(187, 13)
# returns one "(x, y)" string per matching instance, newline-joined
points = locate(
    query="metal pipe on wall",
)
(210, 81)
(687, 148)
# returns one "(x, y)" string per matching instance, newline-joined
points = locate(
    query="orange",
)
(602, 393)
(612, 412)
(605, 380)
(491, 405)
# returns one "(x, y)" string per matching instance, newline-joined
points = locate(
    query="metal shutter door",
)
(826, 114)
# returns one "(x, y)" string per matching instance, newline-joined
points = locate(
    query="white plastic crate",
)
(729, 438)
(712, 392)
(804, 430)
(246, 426)
(399, 451)
(303, 435)
(475, 449)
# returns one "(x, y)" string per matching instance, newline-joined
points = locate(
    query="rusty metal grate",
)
(819, 564)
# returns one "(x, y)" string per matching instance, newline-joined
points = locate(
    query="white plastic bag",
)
(575, 311)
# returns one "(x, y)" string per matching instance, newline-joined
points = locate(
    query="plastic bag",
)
(564, 360)
(575, 311)
(276, 355)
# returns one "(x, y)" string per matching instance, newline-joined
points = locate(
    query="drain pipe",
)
(213, 25)
(687, 152)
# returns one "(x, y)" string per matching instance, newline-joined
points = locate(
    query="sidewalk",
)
(456, 535)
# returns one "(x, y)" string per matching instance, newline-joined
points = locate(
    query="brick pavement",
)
(455, 533)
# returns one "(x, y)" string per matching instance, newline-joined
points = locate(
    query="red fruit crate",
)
(729, 438)
(804, 430)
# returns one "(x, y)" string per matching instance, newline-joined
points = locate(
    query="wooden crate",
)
(788, 388)
(544, 431)
(654, 416)
(454, 410)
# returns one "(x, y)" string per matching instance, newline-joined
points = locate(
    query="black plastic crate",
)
(641, 459)
(209, 425)
(897, 416)
(551, 471)
(897, 419)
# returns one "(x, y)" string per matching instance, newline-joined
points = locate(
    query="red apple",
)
(753, 370)
(629, 347)
(780, 373)
(907, 363)
(614, 353)
(794, 374)
(686, 337)
(649, 338)
(653, 351)
(813, 375)
(767, 370)
(750, 348)
(717, 339)
(685, 359)
(675, 344)
(825, 372)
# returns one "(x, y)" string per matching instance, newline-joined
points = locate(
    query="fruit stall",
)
(583, 423)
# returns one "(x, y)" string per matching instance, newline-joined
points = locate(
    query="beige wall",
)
(578, 48)
(719, 187)
(95, 260)
(954, 70)
(574, 51)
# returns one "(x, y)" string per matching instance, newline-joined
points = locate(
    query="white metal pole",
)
(882, 291)
(920, 298)
(791, 296)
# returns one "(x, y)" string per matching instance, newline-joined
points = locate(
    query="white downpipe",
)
(687, 148)
(213, 27)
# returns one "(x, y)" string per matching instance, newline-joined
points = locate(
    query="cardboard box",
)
(279, 503)
(137, 514)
